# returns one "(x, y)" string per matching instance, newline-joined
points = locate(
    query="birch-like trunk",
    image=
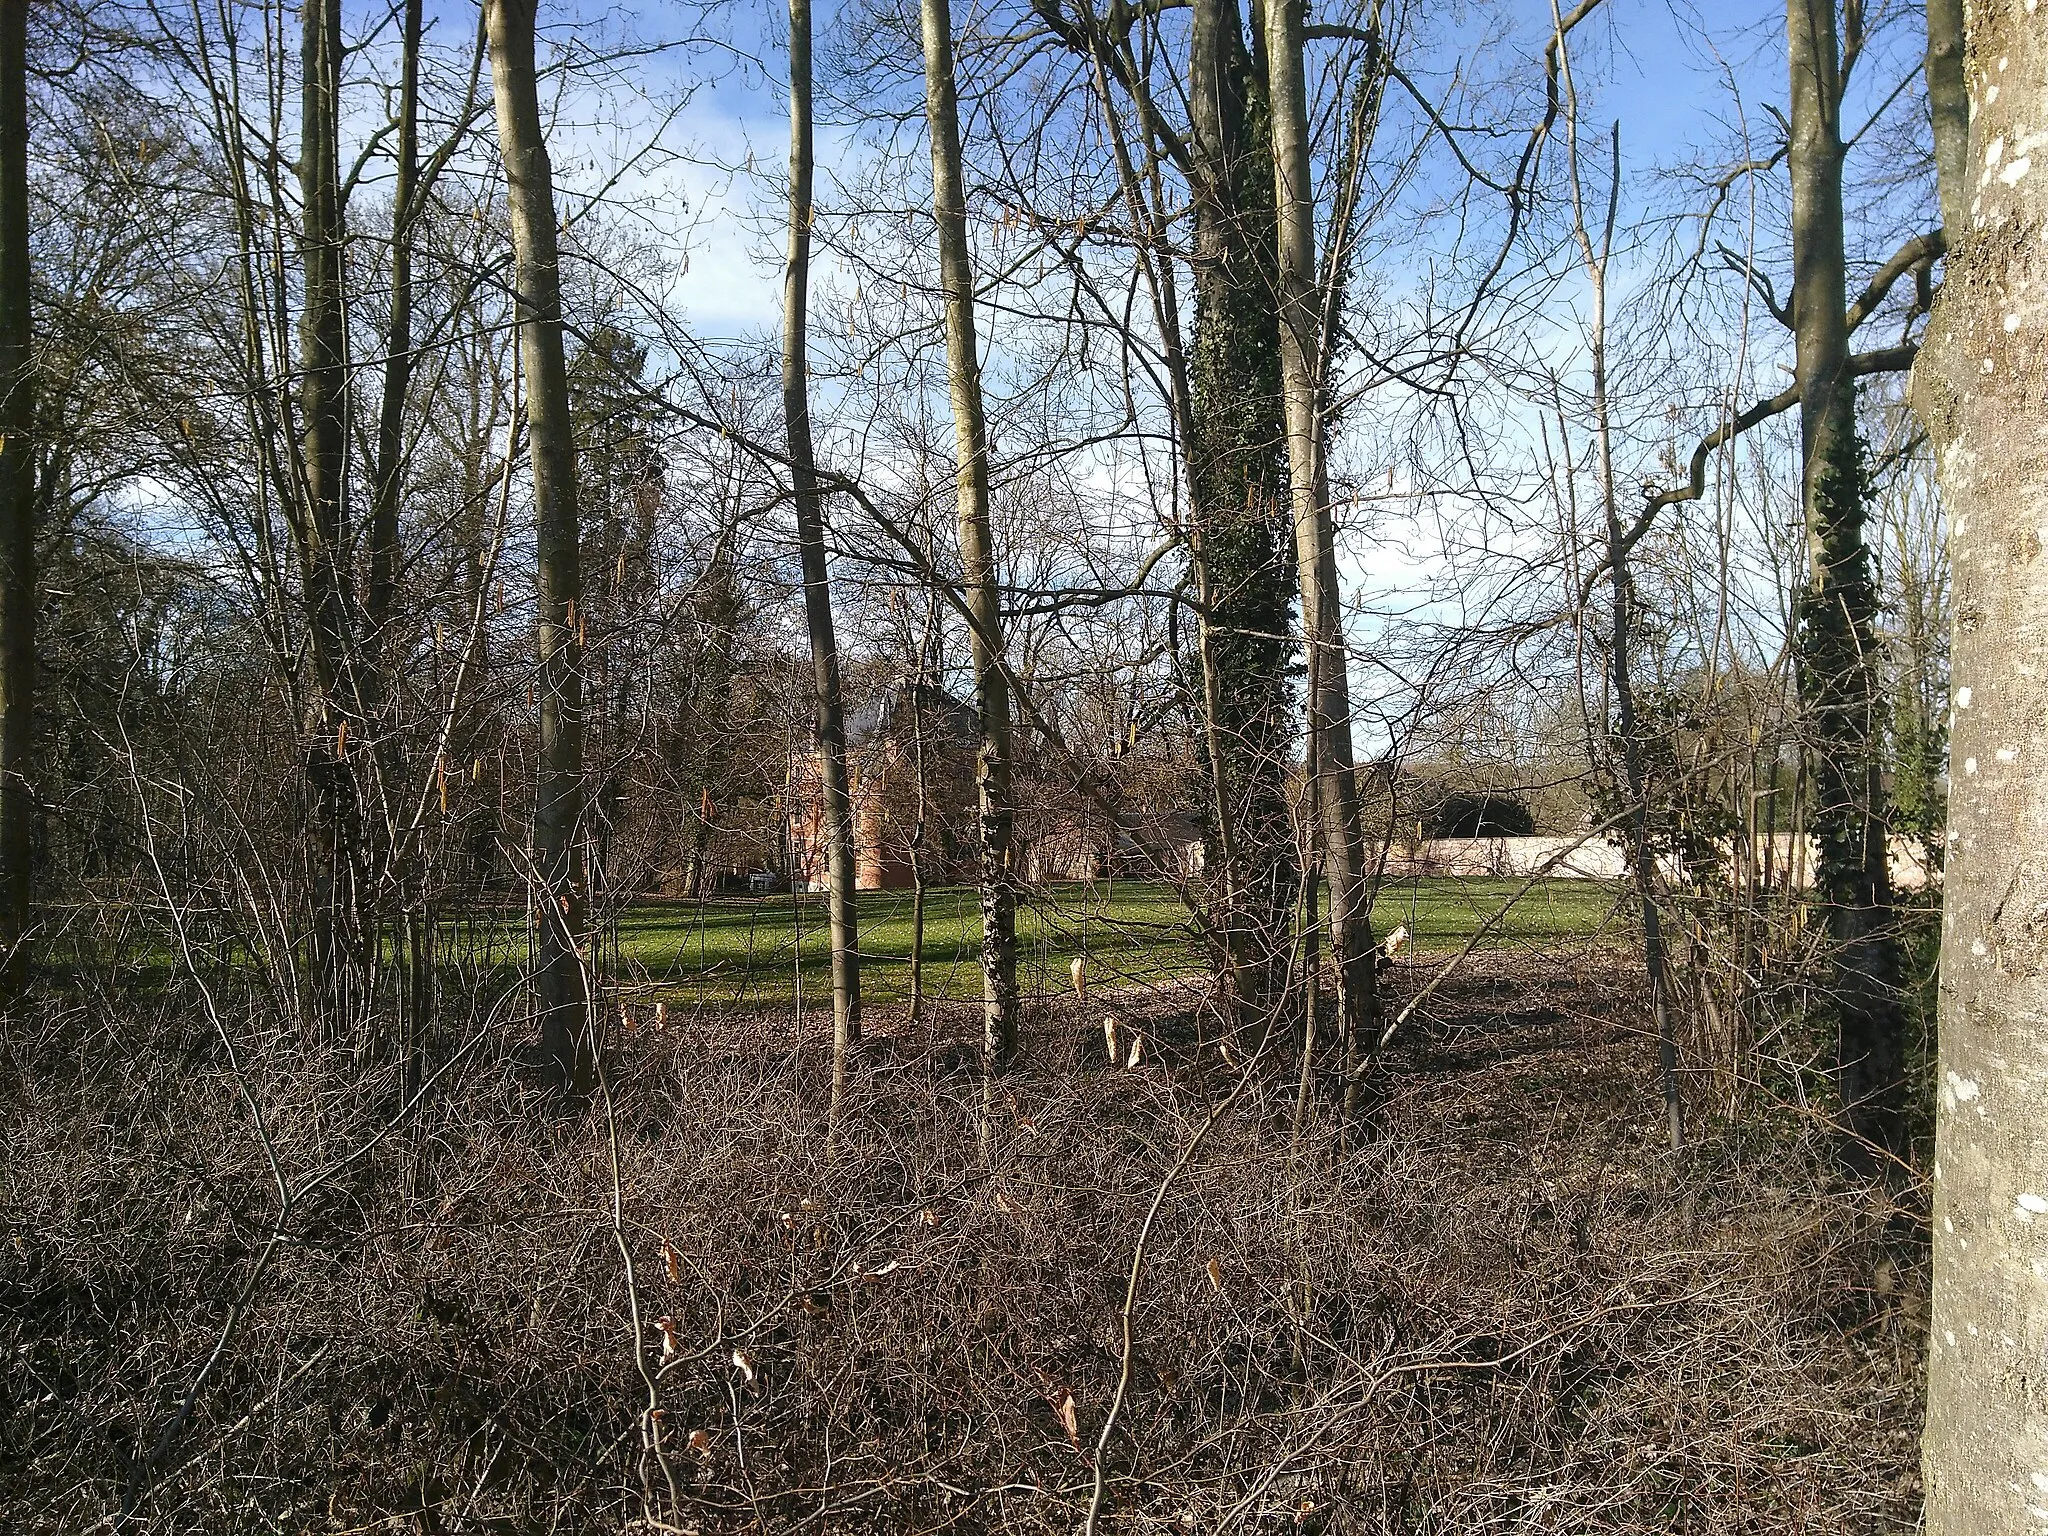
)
(1315, 540)
(560, 997)
(1978, 388)
(17, 509)
(840, 874)
(977, 545)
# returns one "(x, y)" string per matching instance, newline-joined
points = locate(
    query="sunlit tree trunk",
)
(1315, 538)
(1839, 683)
(1948, 100)
(1978, 388)
(977, 545)
(560, 999)
(840, 875)
(18, 590)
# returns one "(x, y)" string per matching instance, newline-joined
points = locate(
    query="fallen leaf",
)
(1137, 1049)
(671, 1260)
(1070, 1419)
(1109, 1028)
(669, 1347)
(1079, 971)
(744, 1362)
(1216, 1275)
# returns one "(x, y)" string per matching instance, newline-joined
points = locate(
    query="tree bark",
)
(321, 525)
(384, 492)
(1237, 485)
(560, 999)
(977, 546)
(1948, 100)
(1839, 685)
(18, 584)
(1978, 389)
(1315, 538)
(840, 874)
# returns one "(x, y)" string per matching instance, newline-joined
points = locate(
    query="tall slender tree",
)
(810, 531)
(18, 585)
(389, 465)
(1315, 538)
(1840, 687)
(561, 1000)
(1978, 389)
(993, 767)
(321, 526)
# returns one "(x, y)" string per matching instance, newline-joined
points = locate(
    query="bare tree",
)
(1837, 649)
(321, 527)
(840, 873)
(559, 989)
(993, 770)
(1302, 349)
(1597, 252)
(18, 585)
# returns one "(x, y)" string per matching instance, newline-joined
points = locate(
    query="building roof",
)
(889, 712)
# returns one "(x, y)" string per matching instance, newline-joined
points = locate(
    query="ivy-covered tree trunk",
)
(1238, 503)
(341, 938)
(1840, 687)
(1979, 387)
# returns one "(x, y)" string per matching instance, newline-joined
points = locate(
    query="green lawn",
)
(747, 950)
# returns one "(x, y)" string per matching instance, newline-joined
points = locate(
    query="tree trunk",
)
(1948, 100)
(1237, 483)
(1978, 389)
(1839, 685)
(1315, 538)
(810, 532)
(977, 546)
(18, 591)
(397, 346)
(920, 832)
(560, 999)
(340, 942)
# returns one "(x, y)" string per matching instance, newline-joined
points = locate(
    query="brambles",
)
(1493, 1309)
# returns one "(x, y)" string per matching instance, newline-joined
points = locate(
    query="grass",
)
(748, 950)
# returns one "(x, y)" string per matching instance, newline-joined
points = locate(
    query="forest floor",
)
(1498, 1304)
